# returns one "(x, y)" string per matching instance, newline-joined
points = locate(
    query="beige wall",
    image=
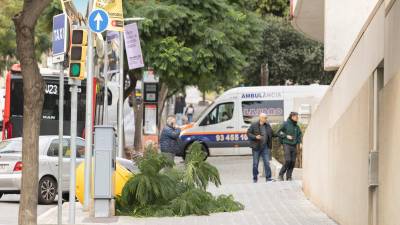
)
(392, 37)
(389, 130)
(338, 139)
(389, 155)
(336, 160)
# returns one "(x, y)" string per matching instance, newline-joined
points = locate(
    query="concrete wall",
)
(392, 37)
(389, 157)
(343, 21)
(338, 139)
(389, 130)
(336, 160)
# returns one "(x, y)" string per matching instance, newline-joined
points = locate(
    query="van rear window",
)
(273, 109)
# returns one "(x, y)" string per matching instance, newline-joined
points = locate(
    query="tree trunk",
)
(264, 75)
(33, 89)
(134, 76)
(162, 97)
(138, 110)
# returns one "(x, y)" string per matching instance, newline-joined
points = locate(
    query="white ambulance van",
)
(222, 127)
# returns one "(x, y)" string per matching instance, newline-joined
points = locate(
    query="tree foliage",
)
(160, 190)
(190, 42)
(8, 47)
(272, 7)
(290, 56)
(265, 7)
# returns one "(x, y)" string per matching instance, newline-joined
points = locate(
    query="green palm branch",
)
(198, 172)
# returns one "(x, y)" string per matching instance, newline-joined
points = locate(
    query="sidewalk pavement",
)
(273, 203)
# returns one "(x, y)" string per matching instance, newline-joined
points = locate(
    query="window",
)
(11, 146)
(221, 113)
(67, 103)
(273, 108)
(50, 104)
(16, 106)
(53, 149)
(80, 148)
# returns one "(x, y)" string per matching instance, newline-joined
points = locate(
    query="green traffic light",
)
(75, 69)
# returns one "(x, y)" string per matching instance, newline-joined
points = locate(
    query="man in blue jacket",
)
(169, 139)
(260, 135)
(290, 135)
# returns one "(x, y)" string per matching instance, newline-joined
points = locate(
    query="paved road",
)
(273, 203)
(9, 205)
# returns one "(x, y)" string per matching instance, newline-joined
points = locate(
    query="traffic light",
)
(77, 54)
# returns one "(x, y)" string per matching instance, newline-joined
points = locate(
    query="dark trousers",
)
(290, 161)
(264, 153)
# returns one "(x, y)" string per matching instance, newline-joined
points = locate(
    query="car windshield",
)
(200, 115)
(14, 146)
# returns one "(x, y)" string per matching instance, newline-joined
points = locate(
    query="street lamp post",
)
(121, 89)
(121, 96)
(89, 118)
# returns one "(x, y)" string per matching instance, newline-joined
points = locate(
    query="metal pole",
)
(74, 111)
(105, 73)
(89, 118)
(121, 96)
(60, 139)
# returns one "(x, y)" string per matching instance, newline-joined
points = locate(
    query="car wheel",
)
(203, 147)
(47, 190)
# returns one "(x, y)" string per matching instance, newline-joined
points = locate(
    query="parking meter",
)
(104, 167)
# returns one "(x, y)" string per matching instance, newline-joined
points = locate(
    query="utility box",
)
(104, 167)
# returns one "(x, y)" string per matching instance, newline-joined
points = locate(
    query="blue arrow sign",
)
(98, 20)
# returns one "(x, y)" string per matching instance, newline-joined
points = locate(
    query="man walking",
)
(260, 136)
(290, 134)
(189, 113)
(169, 139)
(180, 104)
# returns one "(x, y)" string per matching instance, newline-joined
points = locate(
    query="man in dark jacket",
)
(180, 104)
(260, 136)
(169, 139)
(290, 135)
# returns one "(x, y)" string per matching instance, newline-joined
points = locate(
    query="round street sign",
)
(98, 20)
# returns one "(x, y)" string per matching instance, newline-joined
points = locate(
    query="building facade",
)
(351, 152)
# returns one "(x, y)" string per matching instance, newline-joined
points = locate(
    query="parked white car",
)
(11, 166)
